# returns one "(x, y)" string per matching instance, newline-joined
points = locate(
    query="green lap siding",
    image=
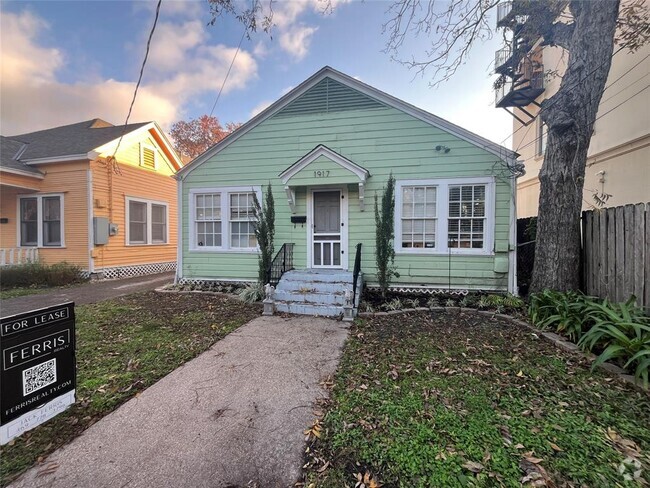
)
(380, 140)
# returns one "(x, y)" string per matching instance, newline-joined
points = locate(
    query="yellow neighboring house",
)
(618, 161)
(63, 198)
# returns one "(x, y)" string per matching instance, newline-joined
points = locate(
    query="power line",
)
(228, 72)
(137, 85)
(597, 118)
(552, 102)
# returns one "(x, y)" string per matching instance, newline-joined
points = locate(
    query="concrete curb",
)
(551, 337)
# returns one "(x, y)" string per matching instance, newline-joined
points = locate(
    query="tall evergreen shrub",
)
(264, 232)
(384, 228)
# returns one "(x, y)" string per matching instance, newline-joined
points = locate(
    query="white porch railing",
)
(18, 255)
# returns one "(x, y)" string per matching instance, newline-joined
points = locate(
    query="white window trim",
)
(442, 216)
(127, 220)
(225, 192)
(144, 145)
(39, 213)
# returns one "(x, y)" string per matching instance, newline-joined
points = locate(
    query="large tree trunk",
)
(569, 116)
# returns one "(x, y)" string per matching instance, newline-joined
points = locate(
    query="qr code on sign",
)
(39, 376)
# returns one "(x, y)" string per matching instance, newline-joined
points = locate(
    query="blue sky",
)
(68, 61)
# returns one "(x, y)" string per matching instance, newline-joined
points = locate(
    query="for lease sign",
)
(38, 370)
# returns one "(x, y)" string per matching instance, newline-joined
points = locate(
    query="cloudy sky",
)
(62, 62)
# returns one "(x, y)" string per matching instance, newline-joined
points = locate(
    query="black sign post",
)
(38, 371)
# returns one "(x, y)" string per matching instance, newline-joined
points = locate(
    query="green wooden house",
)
(327, 147)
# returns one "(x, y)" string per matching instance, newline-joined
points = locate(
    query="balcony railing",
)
(18, 255)
(521, 92)
(502, 56)
(503, 9)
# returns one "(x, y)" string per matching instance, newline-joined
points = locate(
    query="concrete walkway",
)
(232, 417)
(91, 292)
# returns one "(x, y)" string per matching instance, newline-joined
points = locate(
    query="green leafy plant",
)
(394, 304)
(622, 331)
(412, 302)
(433, 302)
(384, 234)
(450, 302)
(264, 232)
(564, 312)
(252, 292)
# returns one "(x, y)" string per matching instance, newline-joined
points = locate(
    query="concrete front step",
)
(313, 292)
(309, 309)
(319, 298)
(318, 276)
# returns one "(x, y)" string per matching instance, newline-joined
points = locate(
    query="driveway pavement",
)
(91, 292)
(232, 417)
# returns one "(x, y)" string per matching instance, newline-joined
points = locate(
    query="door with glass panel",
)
(326, 229)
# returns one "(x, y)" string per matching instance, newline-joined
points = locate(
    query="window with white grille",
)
(222, 219)
(441, 216)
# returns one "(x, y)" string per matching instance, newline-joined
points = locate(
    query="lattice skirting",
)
(136, 270)
(424, 290)
(205, 284)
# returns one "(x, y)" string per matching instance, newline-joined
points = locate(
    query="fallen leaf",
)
(520, 374)
(473, 467)
(555, 447)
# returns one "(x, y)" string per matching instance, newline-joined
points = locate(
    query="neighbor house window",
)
(444, 215)
(41, 221)
(223, 219)
(146, 222)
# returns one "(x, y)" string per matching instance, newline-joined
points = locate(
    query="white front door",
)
(328, 229)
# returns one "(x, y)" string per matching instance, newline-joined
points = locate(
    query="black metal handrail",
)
(282, 262)
(355, 274)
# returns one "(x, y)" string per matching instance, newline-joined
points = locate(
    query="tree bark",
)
(569, 116)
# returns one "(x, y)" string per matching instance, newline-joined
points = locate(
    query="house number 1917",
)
(321, 173)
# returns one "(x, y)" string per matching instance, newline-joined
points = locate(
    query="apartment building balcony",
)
(520, 91)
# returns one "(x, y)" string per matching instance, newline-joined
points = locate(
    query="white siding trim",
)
(180, 242)
(442, 216)
(319, 151)
(91, 227)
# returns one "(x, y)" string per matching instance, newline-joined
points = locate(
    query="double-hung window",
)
(444, 216)
(466, 220)
(223, 219)
(146, 222)
(41, 221)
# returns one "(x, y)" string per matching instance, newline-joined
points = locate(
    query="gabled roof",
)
(9, 151)
(79, 138)
(74, 141)
(328, 72)
(322, 150)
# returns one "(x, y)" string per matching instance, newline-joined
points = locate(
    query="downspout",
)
(512, 280)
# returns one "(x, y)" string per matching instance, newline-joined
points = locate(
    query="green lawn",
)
(21, 291)
(123, 346)
(449, 399)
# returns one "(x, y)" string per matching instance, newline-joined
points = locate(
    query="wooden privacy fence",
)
(616, 253)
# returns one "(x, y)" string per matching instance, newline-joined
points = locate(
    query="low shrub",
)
(251, 293)
(618, 332)
(37, 275)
